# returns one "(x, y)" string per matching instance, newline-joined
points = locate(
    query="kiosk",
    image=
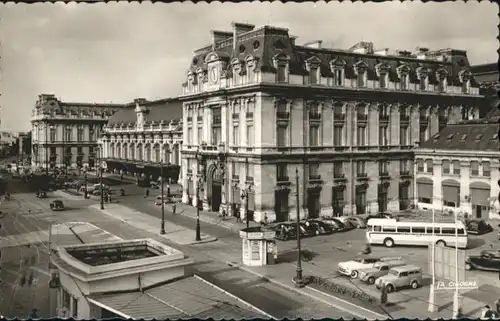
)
(259, 246)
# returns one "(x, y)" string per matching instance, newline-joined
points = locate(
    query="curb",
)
(314, 297)
(202, 241)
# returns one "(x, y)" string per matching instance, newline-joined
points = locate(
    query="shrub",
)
(339, 289)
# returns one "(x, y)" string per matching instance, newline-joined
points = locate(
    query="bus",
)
(390, 232)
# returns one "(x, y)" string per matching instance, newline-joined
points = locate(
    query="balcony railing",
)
(235, 177)
(199, 118)
(384, 174)
(314, 177)
(314, 116)
(236, 116)
(362, 117)
(249, 115)
(216, 119)
(404, 173)
(189, 118)
(282, 179)
(362, 175)
(282, 115)
(474, 172)
(383, 118)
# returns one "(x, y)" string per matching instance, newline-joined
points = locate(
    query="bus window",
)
(403, 229)
(389, 229)
(437, 230)
(448, 230)
(377, 228)
(461, 231)
(416, 229)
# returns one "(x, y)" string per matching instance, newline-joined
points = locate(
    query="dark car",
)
(320, 227)
(484, 261)
(307, 229)
(41, 194)
(285, 231)
(477, 226)
(57, 205)
(335, 224)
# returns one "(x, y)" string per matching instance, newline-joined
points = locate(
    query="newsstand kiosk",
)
(259, 246)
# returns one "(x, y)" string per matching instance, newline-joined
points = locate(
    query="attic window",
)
(464, 137)
(436, 137)
(479, 136)
(450, 136)
(256, 44)
(242, 49)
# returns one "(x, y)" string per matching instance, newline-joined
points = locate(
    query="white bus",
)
(390, 232)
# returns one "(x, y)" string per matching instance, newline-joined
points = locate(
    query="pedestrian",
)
(497, 304)
(121, 176)
(265, 218)
(238, 216)
(383, 294)
(147, 193)
(174, 208)
(459, 315)
(486, 312)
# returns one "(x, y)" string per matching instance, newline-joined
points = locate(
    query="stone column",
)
(437, 188)
(184, 169)
(465, 205)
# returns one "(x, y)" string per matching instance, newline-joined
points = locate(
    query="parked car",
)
(478, 226)
(379, 215)
(401, 276)
(354, 221)
(379, 269)
(307, 230)
(154, 185)
(57, 205)
(285, 231)
(320, 227)
(41, 194)
(352, 267)
(484, 261)
(336, 224)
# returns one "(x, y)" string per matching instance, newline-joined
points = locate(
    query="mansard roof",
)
(168, 109)
(265, 43)
(473, 135)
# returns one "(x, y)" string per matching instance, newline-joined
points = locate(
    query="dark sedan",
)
(57, 205)
(335, 224)
(477, 226)
(320, 227)
(484, 261)
(285, 231)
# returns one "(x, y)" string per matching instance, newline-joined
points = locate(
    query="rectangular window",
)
(423, 83)
(383, 168)
(383, 81)
(68, 136)
(361, 168)
(189, 136)
(200, 135)
(236, 170)
(75, 308)
(403, 229)
(250, 135)
(420, 165)
(383, 139)
(281, 108)
(337, 74)
(236, 135)
(337, 135)
(361, 136)
(404, 81)
(249, 171)
(389, 229)
(422, 135)
(429, 164)
(250, 110)
(281, 73)
(313, 170)
(361, 79)
(419, 230)
(313, 76)
(313, 136)
(216, 135)
(446, 166)
(52, 134)
(338, 112)
(474, 168)
(403, 166)
(282, 173)
(80, 133)
(456, 167)
(486, 169)
(338, 170)
(403, 136)
(281, 136)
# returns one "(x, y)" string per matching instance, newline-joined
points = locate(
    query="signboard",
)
(445, 262)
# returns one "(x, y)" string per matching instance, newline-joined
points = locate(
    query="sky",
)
(115, 52)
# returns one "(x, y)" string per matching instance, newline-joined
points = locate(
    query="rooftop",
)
(168, 109)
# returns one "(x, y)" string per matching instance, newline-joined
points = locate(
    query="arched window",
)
(112, 149)
(125, 151)
(157, 153)
(118, 150)
(147, 150)
(166, 154)
(175, 155)
(132, 151)
(139, 152)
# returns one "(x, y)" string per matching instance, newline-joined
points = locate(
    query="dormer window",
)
(281, 63)
(360, 68)
(465, 77)
(236, 66)
(423, 77)
(337, 67)
(251, 66)
(382, 70)
(313, 75)
(312, 65)
(441, 79)
(403, 74)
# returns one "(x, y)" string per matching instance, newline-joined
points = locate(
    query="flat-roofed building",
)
(258, 106)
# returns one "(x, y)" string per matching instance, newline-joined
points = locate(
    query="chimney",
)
(140, 101)
(292, 40)
(239, 28)
(218, 36)
(382, 52)
(421, 52)
(314, 44)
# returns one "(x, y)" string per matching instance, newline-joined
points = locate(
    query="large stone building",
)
(64, 134)
(257, 106)
(139, 137)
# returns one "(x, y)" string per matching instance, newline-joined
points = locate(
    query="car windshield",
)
(57, 202)
(377, 265)
(358, 260)
(393, 272)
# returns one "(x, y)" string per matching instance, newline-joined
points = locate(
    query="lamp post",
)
(46, 150)
(298, 279)
(85, 182)
(198, 229)
(162, 229)
(244, 197)
(100, 173)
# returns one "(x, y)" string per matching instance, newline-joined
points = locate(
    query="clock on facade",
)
(213, 74)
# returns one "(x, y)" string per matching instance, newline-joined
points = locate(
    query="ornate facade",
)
(258, 107)
(139, 138)
(64, 134)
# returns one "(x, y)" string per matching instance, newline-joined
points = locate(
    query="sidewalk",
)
(213, 218)
(173, 232)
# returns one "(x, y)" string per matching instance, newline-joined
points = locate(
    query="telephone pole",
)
(299, 282)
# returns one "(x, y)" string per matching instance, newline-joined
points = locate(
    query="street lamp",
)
(85, 181)
(299, 282)
(199, 158)
(100, 173)
(244, 197)
(162, 229)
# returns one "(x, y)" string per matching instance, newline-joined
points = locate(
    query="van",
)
(401, 276)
